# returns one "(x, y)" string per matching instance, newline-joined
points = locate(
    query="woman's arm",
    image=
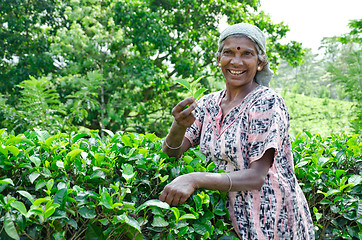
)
(180, 189)
(175, 144)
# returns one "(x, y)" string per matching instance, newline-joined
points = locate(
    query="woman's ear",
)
(261, 65)
(218, 61)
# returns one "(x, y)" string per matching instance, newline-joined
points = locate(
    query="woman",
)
(244, 130)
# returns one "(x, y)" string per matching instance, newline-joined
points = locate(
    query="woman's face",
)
(239, 61)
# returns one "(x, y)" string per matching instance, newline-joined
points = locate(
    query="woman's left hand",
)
(179, 190)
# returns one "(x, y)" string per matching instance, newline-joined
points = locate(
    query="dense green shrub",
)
(329, 170)
(85, 187)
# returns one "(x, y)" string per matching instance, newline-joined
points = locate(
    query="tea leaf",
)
(199, 93)
(152, 203)
(187, 216)
(20, 207)
(35, 160)
(72, 154)
(7, 181)
(106, 200)
(13, 150)
(159, 221)
(94, 233)
(27, 195)
(85, 212)
(10, 227)
(184, 83)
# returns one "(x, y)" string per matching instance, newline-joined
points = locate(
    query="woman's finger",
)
(181, 105)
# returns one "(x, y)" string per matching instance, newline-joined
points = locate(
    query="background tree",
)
(24, 41)
(346, 68)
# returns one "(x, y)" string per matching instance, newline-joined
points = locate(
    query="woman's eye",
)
(247, 53)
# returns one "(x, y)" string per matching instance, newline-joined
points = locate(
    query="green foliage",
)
(39, 106)
(83, 187)
(322, 116)
(136, 50)
(346, 69)
(24, 46)
(330, 174)
(191, 87)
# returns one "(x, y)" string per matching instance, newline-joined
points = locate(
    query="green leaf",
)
(26, 195)
(59, 235)
(49, 212)
(39, 201)
(200, 228)
(94, 233)
(35, 160)
(85, 212)
(97, 174)
(198, 80)
(127, 171)
(332, 192)
(78, 136)
(20, 207)
(187, 159)
(176, 212)
(49, 184)
(354, 180)
(184, 83)
(60, 197)
(301, 164)
(13, 150)
(72, 154)
(159, 221)
(106, 200)
(4, 151)
(322, 161)
(10, 227)
(152, 203)
(7, 181)
(199, 92)
(132, 229)
(187, 216)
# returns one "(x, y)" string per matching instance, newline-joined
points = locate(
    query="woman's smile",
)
(234, 72)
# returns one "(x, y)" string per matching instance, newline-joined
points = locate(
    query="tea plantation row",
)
(86, 187)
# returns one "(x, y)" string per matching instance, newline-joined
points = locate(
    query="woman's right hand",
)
(184, 116)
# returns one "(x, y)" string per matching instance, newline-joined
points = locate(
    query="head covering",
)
(264, 76)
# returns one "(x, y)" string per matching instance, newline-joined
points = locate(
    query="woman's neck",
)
(238, 94)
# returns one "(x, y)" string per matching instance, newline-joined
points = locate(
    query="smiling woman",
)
(244, 130)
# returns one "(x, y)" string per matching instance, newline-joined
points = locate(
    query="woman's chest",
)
(226, 142)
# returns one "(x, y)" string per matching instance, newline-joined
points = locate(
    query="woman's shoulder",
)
(268, 94)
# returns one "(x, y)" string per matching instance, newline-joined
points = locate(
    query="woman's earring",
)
(219, 64)
(259, 68)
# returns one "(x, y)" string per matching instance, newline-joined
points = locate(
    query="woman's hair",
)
(261, 54)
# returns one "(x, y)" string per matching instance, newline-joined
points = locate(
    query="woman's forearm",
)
(244, 180)
(174, 144)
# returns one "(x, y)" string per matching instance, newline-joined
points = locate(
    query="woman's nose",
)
(236, 61)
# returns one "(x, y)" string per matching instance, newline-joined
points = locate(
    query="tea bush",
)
(85, 187)
(329, 170)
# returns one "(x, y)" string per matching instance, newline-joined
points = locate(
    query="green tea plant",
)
(329, 170)
(83, 186)
(191, 87)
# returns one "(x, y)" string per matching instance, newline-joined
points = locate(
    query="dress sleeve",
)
(193, 133)
(267, 126)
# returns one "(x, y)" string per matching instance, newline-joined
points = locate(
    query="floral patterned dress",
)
(260, 122)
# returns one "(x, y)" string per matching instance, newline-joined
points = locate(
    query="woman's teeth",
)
(236, 72)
